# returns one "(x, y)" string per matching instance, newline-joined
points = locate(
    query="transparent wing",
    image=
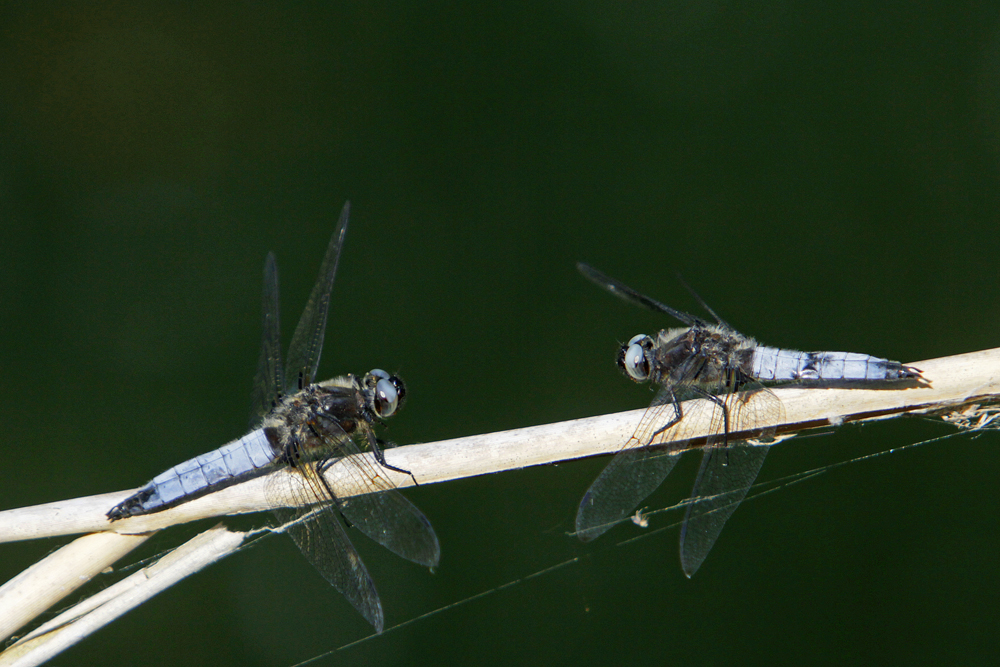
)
(648, 457)
(389, 518)
(643, 462)
(317, 531)
(307, 341)
(728, 470)
(725, 477)
(383, 514)
(269, 380)
(632, 475)
(626, 293)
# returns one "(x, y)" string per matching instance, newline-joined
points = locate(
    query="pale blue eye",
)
(386, 397)
(635, 361)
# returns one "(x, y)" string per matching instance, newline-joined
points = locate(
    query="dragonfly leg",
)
(725, 412)
(725, 418)
(379, 452)
(678, 415)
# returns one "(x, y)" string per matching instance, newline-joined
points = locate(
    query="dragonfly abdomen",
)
(772, 363)
(235, 462)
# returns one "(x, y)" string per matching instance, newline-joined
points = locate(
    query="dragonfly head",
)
(385, 392)
(633, 357)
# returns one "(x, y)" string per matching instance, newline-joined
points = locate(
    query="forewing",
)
(626, 293)
(269, 380)
(728, 470)
(633, 474)
(317, 531)
(307, 341)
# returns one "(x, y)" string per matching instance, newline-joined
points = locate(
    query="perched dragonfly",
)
(310, 427)
(727, 369)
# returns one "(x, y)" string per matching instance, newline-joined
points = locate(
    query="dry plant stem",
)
(950, 382)
(59, 574)
(100, 609)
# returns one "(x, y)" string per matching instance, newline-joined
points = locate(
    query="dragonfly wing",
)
(395, 523)
(626, 293)
(318, 532)
(269, 380)
(307, 341)
(725, 477)
(728, 470)
(383, 514)
(633, 474)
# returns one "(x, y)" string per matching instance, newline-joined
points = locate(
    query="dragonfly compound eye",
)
(635, 362)
(386, 398)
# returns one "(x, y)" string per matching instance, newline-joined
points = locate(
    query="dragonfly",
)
(307, 428)
(730, 372)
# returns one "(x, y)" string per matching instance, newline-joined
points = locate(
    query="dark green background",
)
(826, 178)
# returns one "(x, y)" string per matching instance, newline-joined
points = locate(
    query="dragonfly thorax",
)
(301, 423)
(701, 354)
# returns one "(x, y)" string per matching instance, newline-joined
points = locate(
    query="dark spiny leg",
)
(737, 380)
(725, 412)
(322, 466)
(703, 364)
(725, 417)
(292, 454)
(727, 378)
(377, 450)
(678, 414)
